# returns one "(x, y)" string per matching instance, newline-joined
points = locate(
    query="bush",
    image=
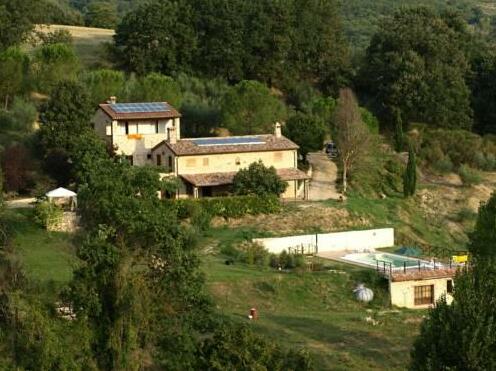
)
(254, 254)
(469, 176)
(465, 214)
(444, 165)
(229, 207)
(258, 180)
(47, 214)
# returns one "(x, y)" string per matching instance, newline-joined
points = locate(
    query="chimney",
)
(277, 131)
(171, 135)
(112, 100)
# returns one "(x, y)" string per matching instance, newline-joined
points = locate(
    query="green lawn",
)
(46, 256)
(317, 311)
(312, 310)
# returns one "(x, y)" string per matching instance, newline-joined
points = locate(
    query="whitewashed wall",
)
(329, 242)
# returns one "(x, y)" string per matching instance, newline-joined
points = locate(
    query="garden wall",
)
(329, 242)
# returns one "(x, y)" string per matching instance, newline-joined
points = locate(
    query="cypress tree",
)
(410, 176)
(399, 138)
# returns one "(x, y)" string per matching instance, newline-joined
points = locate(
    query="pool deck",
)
(397, 274)
(338, 256)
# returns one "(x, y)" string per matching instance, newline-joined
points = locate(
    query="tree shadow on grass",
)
(361, 344)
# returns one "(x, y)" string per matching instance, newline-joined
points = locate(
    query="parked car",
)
(331, 149)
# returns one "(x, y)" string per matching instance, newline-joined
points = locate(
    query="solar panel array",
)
(140, 107)
(228, 141)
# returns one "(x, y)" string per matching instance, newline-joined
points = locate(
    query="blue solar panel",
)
(227, 141)
(140, 107)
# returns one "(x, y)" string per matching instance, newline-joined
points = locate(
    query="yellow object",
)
(459, 258)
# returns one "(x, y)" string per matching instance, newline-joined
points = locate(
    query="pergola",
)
(62, 196)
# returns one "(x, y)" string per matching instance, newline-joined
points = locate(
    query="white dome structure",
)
(363, 293)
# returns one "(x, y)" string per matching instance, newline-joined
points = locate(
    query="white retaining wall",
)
(329, 242)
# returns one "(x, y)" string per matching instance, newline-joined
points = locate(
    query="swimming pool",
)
(387, 260)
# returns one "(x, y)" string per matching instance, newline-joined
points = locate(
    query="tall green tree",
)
(53, 63)
(417, 62)
(462, 336)
(307, 131)
(14, 67)
(65, 116)
(65, 121)
(140, 268)
(484, 92)
(157, 37)
(320, 51)
(250, 108)
(220, 26)
(156, 87)
(410, 175)
(103, 84)
(16, 21)
(101, 14)
(268, 40)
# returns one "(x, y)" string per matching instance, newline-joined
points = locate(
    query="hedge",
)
(229, 207)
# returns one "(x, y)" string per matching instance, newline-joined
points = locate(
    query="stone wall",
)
(69, 222)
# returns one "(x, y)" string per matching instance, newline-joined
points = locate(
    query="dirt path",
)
(323, 182)
(22, 203)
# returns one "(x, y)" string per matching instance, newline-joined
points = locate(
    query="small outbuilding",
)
(63, 197)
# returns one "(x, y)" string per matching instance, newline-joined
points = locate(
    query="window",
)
(238, 161)
(205, 161)
(449, 286)
(146, 127)
(126, 125)
(191, 162)
(424, 295)
(108, 130)
(129, 159)
(277, 156)
(171, 167)
(149, 156)
(159, 160)
(156, 127)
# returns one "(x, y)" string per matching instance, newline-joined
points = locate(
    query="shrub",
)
(443, 166)
(229, 207)
(465, 214)
(274, 261)
(469, 176)
(47, 214)
(254, 254)
(490, 162)
(299, 261)
(258, 180)
(393, 176)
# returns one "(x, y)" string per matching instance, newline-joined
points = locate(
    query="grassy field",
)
(312, 310)
(46, 256)
(88, 42)
(317, 311)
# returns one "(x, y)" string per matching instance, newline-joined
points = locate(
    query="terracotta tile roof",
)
(424, 274)
(171, 113)
(185, 147)
(217, 179)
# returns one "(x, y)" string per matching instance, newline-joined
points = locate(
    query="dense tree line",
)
(270, 41)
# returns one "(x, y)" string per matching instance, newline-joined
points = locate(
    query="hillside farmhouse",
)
(150, 134)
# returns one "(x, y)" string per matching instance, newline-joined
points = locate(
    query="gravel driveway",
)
(323, 182)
